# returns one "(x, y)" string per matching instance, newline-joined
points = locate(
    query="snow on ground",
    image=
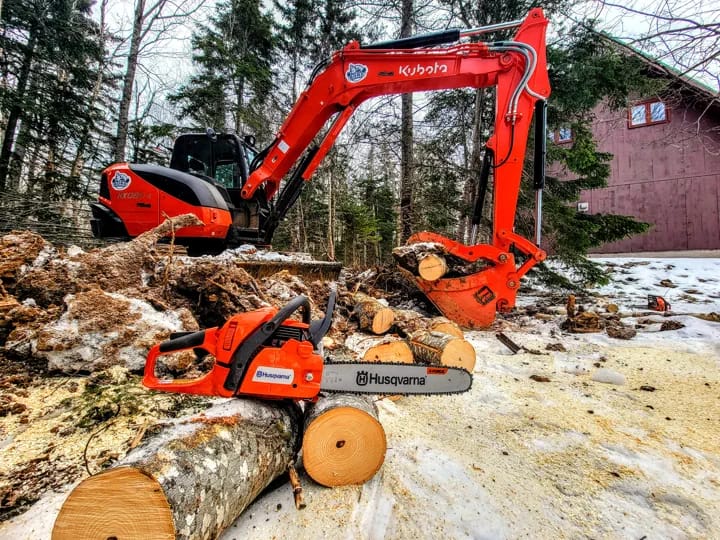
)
(515, 457)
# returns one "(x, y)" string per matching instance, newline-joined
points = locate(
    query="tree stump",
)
(344, 442)
(190, 481)
(372, 315)
(437, 348)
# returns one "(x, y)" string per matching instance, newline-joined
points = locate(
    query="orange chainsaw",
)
(264, 353)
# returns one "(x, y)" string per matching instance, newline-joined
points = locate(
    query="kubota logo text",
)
(419, 69)
(363, 378)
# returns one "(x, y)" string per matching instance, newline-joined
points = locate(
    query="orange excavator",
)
(245, 203)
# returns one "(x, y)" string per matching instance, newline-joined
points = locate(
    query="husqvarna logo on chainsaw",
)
(120, 181)
(419, 69)
(362, 378)
(356, 72)
(273, 375)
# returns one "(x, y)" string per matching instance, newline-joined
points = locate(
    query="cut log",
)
(434, 257)
(437, 348)
(380, 349)
(344, 442)
(372, 315)
(432, 266)
(446, 326)
(409, 322)
(191, 481)
(389, 350)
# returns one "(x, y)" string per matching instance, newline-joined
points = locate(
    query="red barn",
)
(665, 169)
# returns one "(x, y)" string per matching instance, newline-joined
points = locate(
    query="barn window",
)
(647, 113)
(562, 135)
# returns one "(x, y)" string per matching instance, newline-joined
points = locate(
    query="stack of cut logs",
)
(434, 341)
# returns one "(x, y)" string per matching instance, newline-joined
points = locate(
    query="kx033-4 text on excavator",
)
(236, 190)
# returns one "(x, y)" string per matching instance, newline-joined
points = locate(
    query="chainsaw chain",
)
(329, 361)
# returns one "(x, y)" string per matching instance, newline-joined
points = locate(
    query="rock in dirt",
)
(608, 376)
(621, 331)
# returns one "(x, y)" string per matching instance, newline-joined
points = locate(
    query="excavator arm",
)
(518, 70)
(355, 74)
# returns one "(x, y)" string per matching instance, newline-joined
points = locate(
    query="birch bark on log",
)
(189, 482)
(372, 315)
(344, 442)
(409, 322)
(383, 349)
(437, 348)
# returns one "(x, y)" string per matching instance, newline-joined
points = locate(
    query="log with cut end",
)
(384, 349)
(409, 322)
(344, 442)
(397, 351)
(437, 348)
(190, 481)
(432, 261)
(372, 315)
(432, 266)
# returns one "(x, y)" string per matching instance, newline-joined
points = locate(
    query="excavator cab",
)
(225, 158)
(206, 175)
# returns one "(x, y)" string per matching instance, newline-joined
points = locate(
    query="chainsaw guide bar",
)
(383, 378)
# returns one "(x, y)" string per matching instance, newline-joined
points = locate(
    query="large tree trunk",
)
(344, 442)
(16, 110)
(129, 81)
(192, 480)
(406, 139)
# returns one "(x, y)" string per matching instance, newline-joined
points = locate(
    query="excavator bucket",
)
(471, 300)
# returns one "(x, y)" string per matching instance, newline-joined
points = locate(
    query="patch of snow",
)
(608, 376)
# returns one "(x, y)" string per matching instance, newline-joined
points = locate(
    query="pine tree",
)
(52, 53)
(234, 57)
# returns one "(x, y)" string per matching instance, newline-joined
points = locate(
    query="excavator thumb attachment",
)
(472, 299)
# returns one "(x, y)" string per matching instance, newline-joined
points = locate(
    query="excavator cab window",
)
(222, 157)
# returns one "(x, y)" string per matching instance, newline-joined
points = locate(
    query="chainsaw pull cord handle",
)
(245, 352)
